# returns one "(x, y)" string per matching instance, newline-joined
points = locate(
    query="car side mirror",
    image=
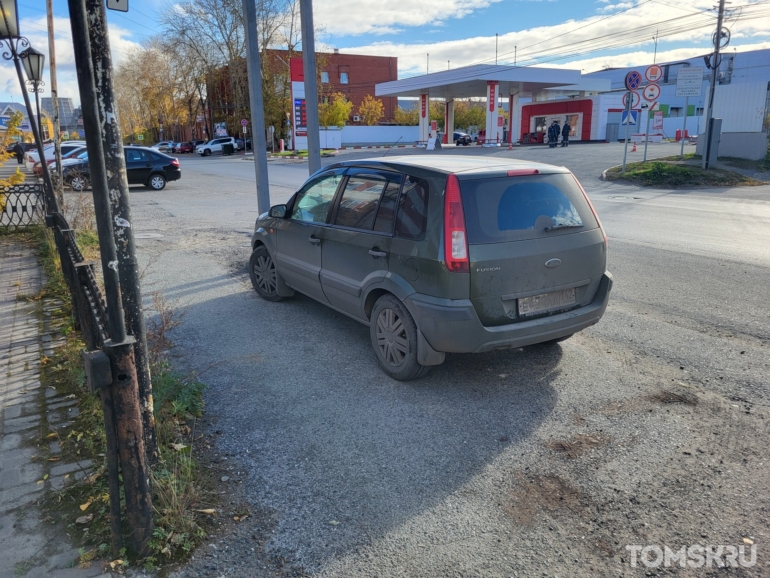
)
(277, 212)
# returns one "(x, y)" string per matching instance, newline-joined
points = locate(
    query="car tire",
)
(457, 143)
(394, 339)
(263, 275)
(207, 152)
(79, 183)
(157, 182)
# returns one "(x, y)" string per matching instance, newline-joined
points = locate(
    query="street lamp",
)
(9, 35)
(34, 61)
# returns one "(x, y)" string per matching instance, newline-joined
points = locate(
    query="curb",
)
(377, 147)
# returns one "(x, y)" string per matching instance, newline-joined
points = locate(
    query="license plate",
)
(546, 302)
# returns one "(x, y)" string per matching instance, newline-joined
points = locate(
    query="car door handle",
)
(377, 254)
(314, 240)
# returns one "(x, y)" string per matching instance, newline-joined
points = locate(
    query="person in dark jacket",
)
(553, 134)
(18, 150)
(565, 130)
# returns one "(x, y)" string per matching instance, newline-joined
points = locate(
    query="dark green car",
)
(440, 254)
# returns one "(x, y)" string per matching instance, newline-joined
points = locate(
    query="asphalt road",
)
(648, 428)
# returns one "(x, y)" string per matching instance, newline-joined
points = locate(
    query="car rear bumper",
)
(172, 175)
(452, 326)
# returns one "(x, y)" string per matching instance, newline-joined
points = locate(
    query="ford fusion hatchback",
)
(440, 255)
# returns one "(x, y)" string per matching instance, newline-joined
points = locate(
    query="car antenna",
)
(391, 146)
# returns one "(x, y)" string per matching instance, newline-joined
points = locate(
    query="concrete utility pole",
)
(256, 103)
(714, 69)
(629, 97)
(55, 103)
(124, 388)
(311, 86)
(117, 180)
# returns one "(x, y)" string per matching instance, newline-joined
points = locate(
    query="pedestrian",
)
(565, 130)
(18, 150)
(553, 134)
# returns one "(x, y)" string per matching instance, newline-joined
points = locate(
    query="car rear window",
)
(506, 209)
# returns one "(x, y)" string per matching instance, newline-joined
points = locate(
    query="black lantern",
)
(33, 61)
(9, 20)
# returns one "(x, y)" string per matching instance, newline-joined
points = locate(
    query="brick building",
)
(354, 75)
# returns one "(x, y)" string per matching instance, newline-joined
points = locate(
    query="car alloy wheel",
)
(264, 273)
(78, 183)
(392, 340)
(157, 182)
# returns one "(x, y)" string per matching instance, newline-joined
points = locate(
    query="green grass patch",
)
(177, 486)
(670, 175)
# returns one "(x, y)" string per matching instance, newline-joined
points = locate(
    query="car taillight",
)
(455, 237)
(174, 162)
(596, 216)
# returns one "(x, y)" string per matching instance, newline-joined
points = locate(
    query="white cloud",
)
(35, 30)
(377, 17)
(566, 42)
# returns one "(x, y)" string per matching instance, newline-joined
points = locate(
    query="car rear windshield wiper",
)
(564, 226)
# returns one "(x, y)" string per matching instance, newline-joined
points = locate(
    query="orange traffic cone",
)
(633, 150)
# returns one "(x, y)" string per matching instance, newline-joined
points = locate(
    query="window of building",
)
(325, 77)
(699, 111)
(343, 77)
(676, 111)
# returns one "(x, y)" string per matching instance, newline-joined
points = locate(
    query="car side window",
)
(133, 155)
(360, 200)
(412, 209)
(313, 202)
(386, 213)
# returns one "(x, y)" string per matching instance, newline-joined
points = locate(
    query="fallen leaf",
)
(70, 396)
(84, 507)
(45, 477)
(177, 447)
(51, 435)
(66, 476)
(40, 482)
(334, 522)
(105, 497)
(53, 459)
(80, 437)
(236, 518)
(84, 519)
(92, 478)
(210, 511)
(748, 541)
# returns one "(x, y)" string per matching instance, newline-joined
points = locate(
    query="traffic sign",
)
(653, 73)
(689, 81)
(244, 122)
(651, 92)
(633, 80)
(119, 5)
(140, 137)
(629, 119)
(634, 100)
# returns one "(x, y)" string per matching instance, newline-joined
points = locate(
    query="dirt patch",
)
(573, 447)
(546, 493)
(669, 397)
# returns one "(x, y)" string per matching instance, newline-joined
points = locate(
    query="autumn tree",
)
(407, 116)
(334, 111)
(371, 110)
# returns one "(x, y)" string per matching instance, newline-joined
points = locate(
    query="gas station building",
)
(541, 86)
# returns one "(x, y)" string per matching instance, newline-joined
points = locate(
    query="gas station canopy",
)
(472, 81)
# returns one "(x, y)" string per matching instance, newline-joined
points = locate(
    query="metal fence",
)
(24, 205)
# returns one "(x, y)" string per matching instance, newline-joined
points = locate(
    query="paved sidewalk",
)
(31, 547)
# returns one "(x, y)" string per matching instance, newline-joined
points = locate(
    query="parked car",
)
(239, 144)
(32, 156)
(186, 147)
(163, 145)
(143, 167)
(462, 138)
(67, 151)
(439, 254)
(215, 146)
(198, 142)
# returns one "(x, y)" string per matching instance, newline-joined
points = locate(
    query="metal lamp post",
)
(9, 34)
(33, 61)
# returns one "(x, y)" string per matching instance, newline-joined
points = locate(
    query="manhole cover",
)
(147, 235)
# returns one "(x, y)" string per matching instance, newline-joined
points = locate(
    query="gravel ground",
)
(651, 428)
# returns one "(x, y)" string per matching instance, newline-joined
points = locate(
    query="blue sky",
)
(559, 33)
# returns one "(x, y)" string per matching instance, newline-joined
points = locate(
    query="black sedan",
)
(143, 166)
(460, 138)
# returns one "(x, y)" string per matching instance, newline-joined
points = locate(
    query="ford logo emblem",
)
(551, 263)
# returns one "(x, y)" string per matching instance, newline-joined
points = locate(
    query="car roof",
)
(458, 164)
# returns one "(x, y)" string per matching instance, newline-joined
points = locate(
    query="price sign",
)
(300, 117)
